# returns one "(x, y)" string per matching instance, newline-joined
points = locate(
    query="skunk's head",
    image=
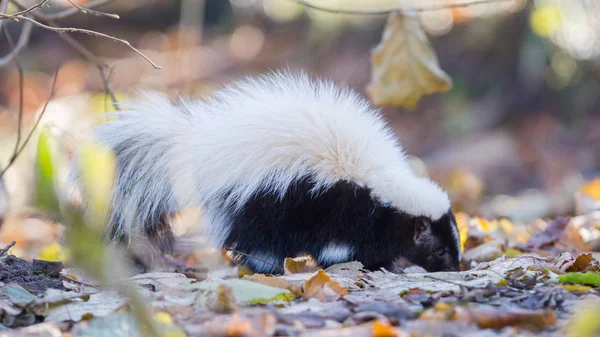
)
(426, 224)
(436, 243)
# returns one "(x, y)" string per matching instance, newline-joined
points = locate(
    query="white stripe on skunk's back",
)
(268, 131)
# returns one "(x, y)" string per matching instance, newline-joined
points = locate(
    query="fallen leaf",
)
(384, 329)
(37, 330)
(592, 189)
(220, 300)
(462, 222)
(237, 324)
(246, 292)
(388, 283)
(549, 236)
(323, 288)
(371, 329)
(99, 304)
(585, 322)
(484, 225)
(567, 263)
(53, 252)
(298, 265)
(273, 282)
(487, 317)
(576, 288)
(404, 65)
(588, 278)
(17, 294)
(582, 232)
(486, 252)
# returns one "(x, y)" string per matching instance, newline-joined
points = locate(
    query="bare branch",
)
(37, 122)
(23, 40)
(3, 8)
(397, 9)
(85, 10)
(31, 9)
(15, 152)
(80, 31)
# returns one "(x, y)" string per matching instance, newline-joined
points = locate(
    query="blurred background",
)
(516, 137)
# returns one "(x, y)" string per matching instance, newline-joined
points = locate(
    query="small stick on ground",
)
(7, 248)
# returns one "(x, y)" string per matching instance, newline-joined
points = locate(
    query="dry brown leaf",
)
(273, 282)
(567, 263)
(323, 288)
(548, 237)
(221, 301)
(298, 265)
(488, 317)
(497, 318)
(404, 65)
(582, 232)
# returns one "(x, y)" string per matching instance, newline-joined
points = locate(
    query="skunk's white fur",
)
(257, 134)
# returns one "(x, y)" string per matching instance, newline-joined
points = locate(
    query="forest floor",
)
(542, 286)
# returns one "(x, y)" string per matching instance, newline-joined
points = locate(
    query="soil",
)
(36, 276)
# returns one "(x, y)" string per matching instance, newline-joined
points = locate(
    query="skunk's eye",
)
(441, 252)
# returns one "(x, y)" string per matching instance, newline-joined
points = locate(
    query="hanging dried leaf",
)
(404, 65)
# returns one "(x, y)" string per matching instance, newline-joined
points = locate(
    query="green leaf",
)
(45, 196)
(588, 278)
(17, 294)
(246, 292)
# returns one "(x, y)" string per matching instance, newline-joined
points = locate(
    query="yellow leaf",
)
(592, 189)
(585, 322)
(545, 20)
(462, 222)
(163, 317)
(102, 103)
(576, 288)
(168, 327)
(484, 225)
(404, 65)
(441, 306)
(506, 226)
(97, 164)
(53, 252)
(383, 329)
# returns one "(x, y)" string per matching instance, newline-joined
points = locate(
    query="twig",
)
(31, 9)
(3, 8)
(81, 49)
(461, 286)
(37, 122)
(85, 10)
(397, 9)
(23, 40)
(81, 31)
(7, 248)
(20, 71)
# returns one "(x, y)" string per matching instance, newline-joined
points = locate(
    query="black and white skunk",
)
(281, 165)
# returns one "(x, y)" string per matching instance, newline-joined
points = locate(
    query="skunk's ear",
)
(422, 228)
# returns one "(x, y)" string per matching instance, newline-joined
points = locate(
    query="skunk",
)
(281, 165)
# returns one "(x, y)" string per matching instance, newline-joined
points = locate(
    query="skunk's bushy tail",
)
(145, 137)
